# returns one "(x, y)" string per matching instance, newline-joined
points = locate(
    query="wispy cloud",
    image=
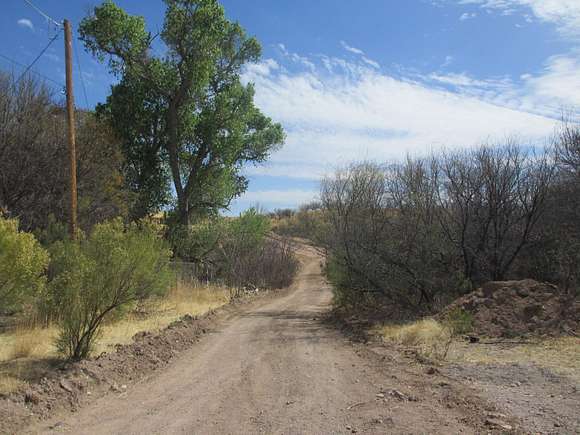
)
(276, 198)
(25, 22)
(344, 110)
(352, 49)
(467, 16)
(565, 14)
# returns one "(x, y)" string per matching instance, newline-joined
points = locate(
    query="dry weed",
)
(428, 337)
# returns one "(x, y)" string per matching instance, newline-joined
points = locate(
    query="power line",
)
(37, 9)
(31, 70)
(36, 59)
(77, 58)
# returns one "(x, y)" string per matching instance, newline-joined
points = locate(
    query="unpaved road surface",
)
(278, 368)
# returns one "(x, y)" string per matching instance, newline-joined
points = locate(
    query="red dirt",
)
(520, 308)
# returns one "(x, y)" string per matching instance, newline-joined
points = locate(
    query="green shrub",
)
(196, 242)
(247, 232)
(22, 265)
(459, 321)
(101, 277)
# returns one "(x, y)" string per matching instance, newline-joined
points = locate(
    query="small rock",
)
(431, 370)
(57, 425)
(493, 422)
(380, 395)
(66, 386)
(398, 395)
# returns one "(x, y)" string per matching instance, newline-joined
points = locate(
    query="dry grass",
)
(561, 355)
(27, 343)
(428, 337)
(10, 384)
(181, 300)
(434, 340)
(27, 352)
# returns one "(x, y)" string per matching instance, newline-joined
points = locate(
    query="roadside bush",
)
(195, 243)
(250, 258)
(239, 252)
(101, 277)
(417, 234)
(22, 265)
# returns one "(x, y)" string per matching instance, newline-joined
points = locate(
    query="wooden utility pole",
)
(70, 111)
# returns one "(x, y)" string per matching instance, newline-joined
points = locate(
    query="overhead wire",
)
(31, 70)
(77, 58)
(36, 59)
(45, 15)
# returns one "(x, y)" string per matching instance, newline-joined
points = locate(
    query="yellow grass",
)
(428, 337)
(25, 351)
(10, 384)
(180, 301)
(27, 343)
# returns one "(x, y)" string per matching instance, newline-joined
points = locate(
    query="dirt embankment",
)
(74, 385)
(520, 308)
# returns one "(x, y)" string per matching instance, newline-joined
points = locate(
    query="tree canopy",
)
(184, 115)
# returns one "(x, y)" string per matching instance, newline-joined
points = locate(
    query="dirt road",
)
(277, 368)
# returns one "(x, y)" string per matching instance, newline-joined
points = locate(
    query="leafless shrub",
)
(422, 231)
(33, 159)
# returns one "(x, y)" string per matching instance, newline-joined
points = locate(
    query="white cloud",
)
(352, 49)
(25, 22)
(565, 14)
(558, 84)
(278, 198)
(465, 81)
(448, 61)
(467, 16)
(342, 111)
(262, 68)
(371, 62)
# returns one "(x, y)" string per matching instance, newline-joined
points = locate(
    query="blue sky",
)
(372, 79)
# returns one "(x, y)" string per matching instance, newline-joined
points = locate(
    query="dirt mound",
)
(519, 308)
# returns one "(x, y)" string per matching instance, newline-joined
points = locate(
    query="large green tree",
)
(185, 112)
